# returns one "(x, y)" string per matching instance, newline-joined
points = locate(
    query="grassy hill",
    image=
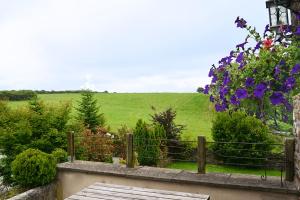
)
(193, 109)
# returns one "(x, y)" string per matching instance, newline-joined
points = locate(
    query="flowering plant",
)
(261, 79)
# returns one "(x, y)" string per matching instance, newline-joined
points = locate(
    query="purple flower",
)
(226, 60)
(267, 29)
(240, 57)
(211, 98)
(215, 78)
(240, 22)
(277, 71)
(211, 72)
(249, 82)
(219, 107)
(242, 45)
(257, 46)
(226, 80)
(241, 93)
(297, 31)
(285, 29)
(234, 100)
(223, 92)
(242, 65)
(288, 106)
(206, 89)
(259, 90)
(289, 83)
(282, 62)
(224, 104)
(296, 69)
(277, 98)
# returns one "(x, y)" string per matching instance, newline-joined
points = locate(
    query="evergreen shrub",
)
(33, 168)
(60, 155)
(148, 143)
(240, 138)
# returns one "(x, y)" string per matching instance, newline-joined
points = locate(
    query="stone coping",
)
(43, 192)
(233, 181)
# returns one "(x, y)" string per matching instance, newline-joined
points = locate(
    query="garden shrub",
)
(177, 149)
(60, 155)
(148, 143)
(96, 146)
(119, 142)
(36, 125)
(232, 133)
(33, 168)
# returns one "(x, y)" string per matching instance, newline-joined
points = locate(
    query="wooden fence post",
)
(201, 152)
(289, 147)
(71, 146)
(129, 151)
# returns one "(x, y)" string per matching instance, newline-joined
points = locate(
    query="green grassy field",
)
(126, 108)
(190, 166)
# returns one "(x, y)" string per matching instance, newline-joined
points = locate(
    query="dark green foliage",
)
(119, 142)
(37, 126)
(63, 91)
(33, 168)
(17, 95)
(166, 119)
(60, 155)
(88, 111)
(238, 128)
(148, 143)
(200, 89)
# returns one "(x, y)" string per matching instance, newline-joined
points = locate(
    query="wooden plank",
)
(140, 195)
(183, 194)
(103, 191)
(143, 195)
(98, 196)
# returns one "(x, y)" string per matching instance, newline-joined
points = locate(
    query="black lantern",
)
(278, 13)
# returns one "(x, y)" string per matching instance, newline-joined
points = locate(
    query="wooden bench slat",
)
(144, 193)
(104, 191)
(124, 196)
(167, 192)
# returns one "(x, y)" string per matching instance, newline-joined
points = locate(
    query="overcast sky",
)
(118, 45)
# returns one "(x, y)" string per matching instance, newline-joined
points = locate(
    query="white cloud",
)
(88, 85)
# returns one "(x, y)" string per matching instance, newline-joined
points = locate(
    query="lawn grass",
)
(191, 166)
(193, 109)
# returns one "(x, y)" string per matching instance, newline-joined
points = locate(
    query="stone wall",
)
(296, 117)
(48, 192)
(74, 177)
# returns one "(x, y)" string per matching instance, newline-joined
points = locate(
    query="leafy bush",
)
(119, 142)
(148, 143)
(235, 133)
(36, 126)
(17, 95)
(60, 155)
(33, 168)
(176, 148)
(95, 146)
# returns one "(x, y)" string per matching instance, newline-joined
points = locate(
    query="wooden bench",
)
(120, 192)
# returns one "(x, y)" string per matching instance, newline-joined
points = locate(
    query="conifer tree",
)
(88, 111)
